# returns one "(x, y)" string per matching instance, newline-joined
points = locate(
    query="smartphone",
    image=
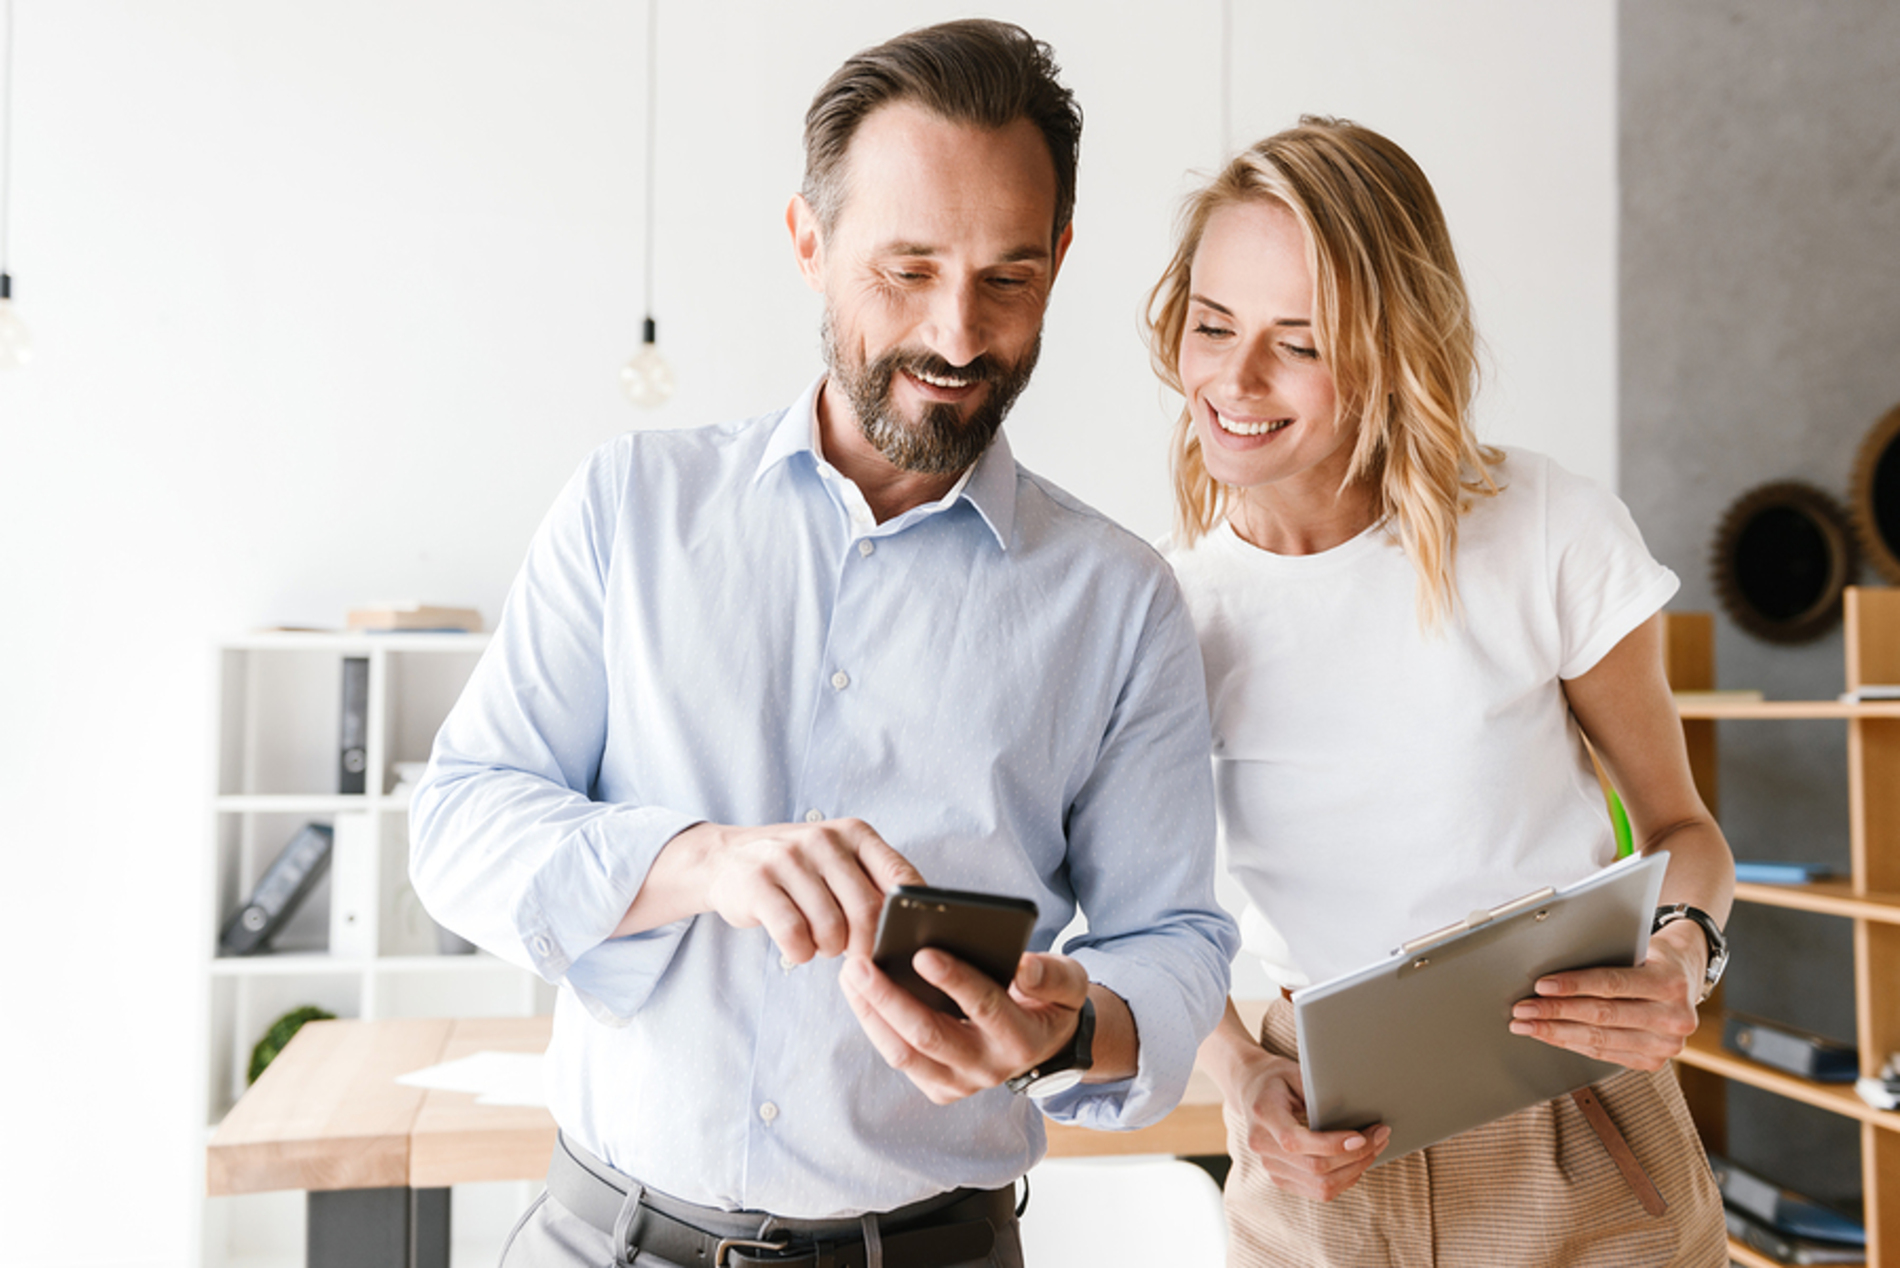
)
(987, 931)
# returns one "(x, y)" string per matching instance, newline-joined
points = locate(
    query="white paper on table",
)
(496, 1078)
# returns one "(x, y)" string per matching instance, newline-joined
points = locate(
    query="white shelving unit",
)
(277, 764)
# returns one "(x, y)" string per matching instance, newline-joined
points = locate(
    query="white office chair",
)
(1136, 1211)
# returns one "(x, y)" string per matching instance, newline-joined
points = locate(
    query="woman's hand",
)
(1265, 1104)
(1638, 1017)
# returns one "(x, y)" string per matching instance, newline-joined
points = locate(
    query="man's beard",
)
(942, 442)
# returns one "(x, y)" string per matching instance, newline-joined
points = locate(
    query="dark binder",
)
(1790, 1049)
(285, 884)
(353, 733)
(1788, 1213)
(1786, 1248)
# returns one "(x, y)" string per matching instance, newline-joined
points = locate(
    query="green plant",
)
(280, 1033)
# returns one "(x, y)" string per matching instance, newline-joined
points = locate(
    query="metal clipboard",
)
(1421, 1041)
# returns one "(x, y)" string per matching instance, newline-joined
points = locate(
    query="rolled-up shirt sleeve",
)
(1141, 860)
(508, 847)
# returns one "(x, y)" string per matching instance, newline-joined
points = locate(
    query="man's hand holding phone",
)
(1010, 1021)
(1004, 1030)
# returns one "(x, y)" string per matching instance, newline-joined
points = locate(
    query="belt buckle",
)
(745, 1243)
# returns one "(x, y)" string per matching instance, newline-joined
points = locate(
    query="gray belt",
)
(951, 1228)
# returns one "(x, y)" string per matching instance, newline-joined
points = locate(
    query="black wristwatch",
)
(1065, 1069)
(1718, 945)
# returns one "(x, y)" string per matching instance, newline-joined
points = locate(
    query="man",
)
(858, 623)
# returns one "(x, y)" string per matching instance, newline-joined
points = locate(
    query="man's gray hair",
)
(978, 72)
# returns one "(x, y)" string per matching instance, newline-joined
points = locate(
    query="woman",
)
(1409, 637)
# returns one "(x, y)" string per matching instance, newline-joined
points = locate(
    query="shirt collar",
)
(989, 486)
(992, 489)
(794, 431)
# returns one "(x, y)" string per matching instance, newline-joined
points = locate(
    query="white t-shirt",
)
(1376, 782)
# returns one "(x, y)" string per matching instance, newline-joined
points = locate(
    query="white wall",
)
(329, 298)
(1511, 110)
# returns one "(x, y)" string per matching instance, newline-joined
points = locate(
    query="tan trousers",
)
(1536, 1188)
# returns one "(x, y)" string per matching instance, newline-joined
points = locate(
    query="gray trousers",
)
(551, 1236)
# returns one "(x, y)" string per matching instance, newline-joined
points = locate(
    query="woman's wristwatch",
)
(1718, 945)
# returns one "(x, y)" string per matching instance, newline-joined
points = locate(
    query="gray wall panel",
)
(1759, 338)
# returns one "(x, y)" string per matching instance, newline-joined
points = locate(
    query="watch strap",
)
(1670, 913)
(1078, 1056)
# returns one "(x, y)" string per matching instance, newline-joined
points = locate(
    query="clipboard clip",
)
(1476, 920)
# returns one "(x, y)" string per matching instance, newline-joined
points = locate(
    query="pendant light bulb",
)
(646, 377)
(16, 341)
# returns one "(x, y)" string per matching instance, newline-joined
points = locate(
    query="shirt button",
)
(768, 1111)
(841, 680)
(541, 945)
(861, 518)
(865, 547)
(814, 816)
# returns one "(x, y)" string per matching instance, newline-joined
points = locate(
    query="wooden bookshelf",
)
(1830, 898)
(1705, 1052)
(1692, 706)
(1740, 1254)
(1869, 896)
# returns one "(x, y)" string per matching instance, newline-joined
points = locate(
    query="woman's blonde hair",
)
(1391, 320)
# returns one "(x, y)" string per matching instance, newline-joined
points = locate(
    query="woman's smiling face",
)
(1263, 399)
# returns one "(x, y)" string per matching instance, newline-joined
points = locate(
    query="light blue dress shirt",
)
(710, 626)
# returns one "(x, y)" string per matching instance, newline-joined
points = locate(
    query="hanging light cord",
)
(1226, 79)
(653, 35)
(6, 138)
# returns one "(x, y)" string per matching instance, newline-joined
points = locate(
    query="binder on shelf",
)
(353, 883)
(353, 728)
(1790, 1049)
(284, 885)
(406, 928)
(1786, 1248)
(1767, 872)
(1787, 1212)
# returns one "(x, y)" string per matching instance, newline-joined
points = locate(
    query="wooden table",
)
(377, 1157)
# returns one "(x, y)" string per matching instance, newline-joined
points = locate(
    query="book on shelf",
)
(1777, 872)
(1870, 692)
(1790, 1049)
(1742, 695)
(1787, 1212)
(414, 617)
(277, 894)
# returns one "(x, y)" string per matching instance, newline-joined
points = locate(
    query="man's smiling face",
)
(935, 278)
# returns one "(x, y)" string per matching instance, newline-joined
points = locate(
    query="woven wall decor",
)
(1874, 495)
(1783, 554)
